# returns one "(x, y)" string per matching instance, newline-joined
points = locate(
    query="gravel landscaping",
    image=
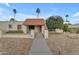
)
(15, 46)
(64, 43)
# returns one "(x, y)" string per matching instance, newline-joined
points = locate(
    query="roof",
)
(34, 22)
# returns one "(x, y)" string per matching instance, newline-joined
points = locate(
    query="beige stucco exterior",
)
(4, 27)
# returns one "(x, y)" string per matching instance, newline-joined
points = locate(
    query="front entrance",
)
(31, 27)
(39, 28)
(35, 28)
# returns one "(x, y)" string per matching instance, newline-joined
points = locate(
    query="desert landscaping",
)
(63, 43)
(39, 32)
(15, 46)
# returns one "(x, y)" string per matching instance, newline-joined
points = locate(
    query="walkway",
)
(39, 46)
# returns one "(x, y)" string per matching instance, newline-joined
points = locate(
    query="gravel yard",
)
(15, 46)
(64, 44)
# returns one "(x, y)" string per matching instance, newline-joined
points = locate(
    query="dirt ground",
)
(64, 43)
(15, 46)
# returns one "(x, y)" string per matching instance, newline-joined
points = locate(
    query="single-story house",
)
(36, 24)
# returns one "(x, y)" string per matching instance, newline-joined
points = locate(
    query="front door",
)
(39, 28)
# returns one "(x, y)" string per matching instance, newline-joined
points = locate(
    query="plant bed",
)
(15, 31)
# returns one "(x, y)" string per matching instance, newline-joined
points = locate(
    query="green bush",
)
(65, 28)
(15, 31)
(70, 30)
(73, 30)
(77, 30)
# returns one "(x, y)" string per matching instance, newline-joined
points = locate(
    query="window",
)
(19, 27)
(10, 26)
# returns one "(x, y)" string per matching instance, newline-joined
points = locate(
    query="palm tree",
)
(38, 12)
(67, 17)
(14, 11)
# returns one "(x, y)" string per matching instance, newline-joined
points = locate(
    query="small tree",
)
(65, 28)
(12, 19)
(54, 22)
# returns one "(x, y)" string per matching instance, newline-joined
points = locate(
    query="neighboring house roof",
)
(34, 22)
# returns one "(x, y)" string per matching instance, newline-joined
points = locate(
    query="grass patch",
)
(15, 31)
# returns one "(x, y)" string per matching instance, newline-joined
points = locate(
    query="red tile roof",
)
(34, 22)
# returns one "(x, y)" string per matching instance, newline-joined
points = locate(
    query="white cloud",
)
(23, 16)
(4, 14)
(76, 14)
(7, 4)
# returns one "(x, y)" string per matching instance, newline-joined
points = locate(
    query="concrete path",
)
(39, 46)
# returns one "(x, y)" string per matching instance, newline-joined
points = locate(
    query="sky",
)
(27, 10)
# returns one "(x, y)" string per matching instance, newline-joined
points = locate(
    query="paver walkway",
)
(39, 46)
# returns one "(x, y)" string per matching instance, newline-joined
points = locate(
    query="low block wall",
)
(58, 30)
(45, 34)
(16, 36)
(31, 35)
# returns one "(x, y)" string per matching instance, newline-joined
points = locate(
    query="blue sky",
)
(27, 10)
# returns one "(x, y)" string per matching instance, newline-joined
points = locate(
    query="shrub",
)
(15, 31)
(77, 30)
(72, 30)
(65, 28)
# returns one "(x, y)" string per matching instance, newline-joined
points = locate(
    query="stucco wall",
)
(4, 25)
(58, 30)
(42, 29)
(24, 28)
(14, 25)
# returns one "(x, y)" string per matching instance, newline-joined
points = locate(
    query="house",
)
(36, 24)
(6, 26)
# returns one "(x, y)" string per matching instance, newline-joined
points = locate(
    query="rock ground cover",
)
(15, 46)
(65, 43)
